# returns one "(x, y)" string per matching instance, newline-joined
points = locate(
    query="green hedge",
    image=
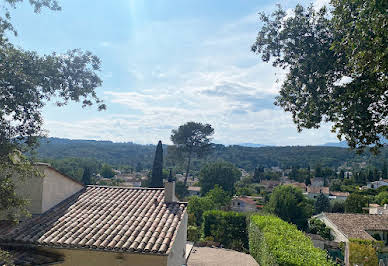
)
(228, 228)
(273, 241)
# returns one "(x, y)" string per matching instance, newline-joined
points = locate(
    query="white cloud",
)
(105, 44)
(183, 72)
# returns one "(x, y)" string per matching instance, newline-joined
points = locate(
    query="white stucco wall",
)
(56, 188)
(176, 256)
(31, 189)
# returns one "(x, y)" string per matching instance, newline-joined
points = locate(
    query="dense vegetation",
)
(228, 228)
(141, 156)
(273, 241)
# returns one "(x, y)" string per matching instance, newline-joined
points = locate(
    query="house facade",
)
(243, 204)
(377, 184)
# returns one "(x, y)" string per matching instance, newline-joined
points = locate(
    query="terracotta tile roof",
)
(6, 227)
(105, 218)
(339, 193)
(246, 200)
(318, 190)
(197, 189)
(356, 225)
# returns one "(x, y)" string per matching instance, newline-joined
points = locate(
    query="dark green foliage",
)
(307, 181)
(385, 170)
(318, 227)
(192, 139)
(318, 49)
(322, 204)
(338, 207)
(157, 168)
(107, 171)
(274, 242)
(290, 204)
(219, 173)
(258, 174)
(136, 155)
(28, 81)
(181, 190)
(87, 176)
(355, 202)
(219, 197)
(382, 198)
(228, 228)
(197, 206)
(141, 156)
(193, 233)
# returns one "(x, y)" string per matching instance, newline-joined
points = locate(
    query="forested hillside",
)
(141, 156)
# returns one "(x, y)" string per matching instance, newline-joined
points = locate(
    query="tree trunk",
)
(187, 169)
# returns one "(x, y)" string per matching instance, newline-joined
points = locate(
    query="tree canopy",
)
(290, 204)
(157, 168)
(191, 139)
(337, 65)
(28, 81)
(223, 174)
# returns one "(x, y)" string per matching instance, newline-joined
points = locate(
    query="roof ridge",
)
(121, 187)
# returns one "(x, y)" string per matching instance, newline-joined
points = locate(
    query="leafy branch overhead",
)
(28, 81)
(337, 65)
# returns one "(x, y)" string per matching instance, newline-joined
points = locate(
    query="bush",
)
(273, 241)
(363, 252)
(318, 227)
(338, 206)
(228, 228)
(193, 233)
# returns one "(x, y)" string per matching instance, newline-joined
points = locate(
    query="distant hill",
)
(342, 144)
(252, 145)
(131, 154)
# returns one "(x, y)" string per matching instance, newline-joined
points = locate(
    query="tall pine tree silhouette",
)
(157, 168)
(87, 176)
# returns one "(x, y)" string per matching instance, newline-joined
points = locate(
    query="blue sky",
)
(165, 63)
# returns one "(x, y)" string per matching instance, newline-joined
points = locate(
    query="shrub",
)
(228, 228)
(273, 241)
(363, 252)
(318, 227)
(193, 233)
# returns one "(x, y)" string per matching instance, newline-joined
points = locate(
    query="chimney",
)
(169, 192)
(169, 189)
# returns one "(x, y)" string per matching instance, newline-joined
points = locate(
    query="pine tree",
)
(87, 176)
(385, 170)
(257, 175)
(322, 204)
(307, 181)
(342, 174)
(157, 168)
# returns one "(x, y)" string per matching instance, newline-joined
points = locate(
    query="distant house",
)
(100, 225)
(270, 184)
(377, 184)
(314, 192)
(345, 226)
(338, 195)
(244, 204)
(194, 191)
(300, 185)
(377, 209)
(317, 182)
